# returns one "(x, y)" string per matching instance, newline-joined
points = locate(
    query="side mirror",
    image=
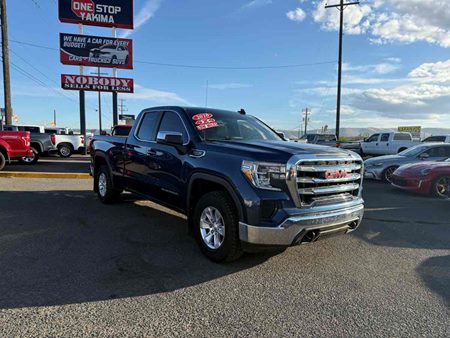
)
(282, 135)
(424, 156)
(170, 137)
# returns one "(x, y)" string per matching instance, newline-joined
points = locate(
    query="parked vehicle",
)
(387, 143)
(382, 167)
(121, 130)
(438, 138)
(67, 144)
(236, 179)
(426, 178)
(321, 139)
(115, 54)
(41, 144)
(13, 145)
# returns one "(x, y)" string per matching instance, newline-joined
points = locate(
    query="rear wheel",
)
(387, 174)
(2, 161)
(65, 150)
(441, 187)
(32, 159)
(216, 227)
(105, 186)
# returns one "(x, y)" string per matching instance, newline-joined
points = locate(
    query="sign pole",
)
(83, 106)
(114, 94)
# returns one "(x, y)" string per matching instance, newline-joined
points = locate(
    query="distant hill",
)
(364, 132)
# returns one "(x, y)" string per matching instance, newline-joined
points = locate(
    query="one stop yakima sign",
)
(107, 13)
(97, 83)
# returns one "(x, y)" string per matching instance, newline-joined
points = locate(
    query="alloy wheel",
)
(102, 184)
(212, 228)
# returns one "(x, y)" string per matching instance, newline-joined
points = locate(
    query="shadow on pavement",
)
(397, 219)
(435, 272)
(63, 247)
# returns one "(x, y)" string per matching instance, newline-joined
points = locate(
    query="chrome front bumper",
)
(305, 228)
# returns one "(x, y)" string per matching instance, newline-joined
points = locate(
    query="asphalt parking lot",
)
(71, 266)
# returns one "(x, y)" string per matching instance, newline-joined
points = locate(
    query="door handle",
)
(151, 152)
(387, 144)
(376, 144)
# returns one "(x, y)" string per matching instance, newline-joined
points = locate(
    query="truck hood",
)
(276, 150)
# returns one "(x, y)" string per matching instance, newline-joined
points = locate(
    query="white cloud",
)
(256, 4)
(144, 15)
(296, 15)
(224, 86)
(156, 96)
(388, 21)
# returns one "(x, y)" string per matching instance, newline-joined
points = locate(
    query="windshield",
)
(414, 151)
(220, 126)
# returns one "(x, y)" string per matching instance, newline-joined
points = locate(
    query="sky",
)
(396, 61)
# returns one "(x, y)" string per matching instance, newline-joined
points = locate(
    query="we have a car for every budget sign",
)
(106, 13)
(97, 83)
(87, 50)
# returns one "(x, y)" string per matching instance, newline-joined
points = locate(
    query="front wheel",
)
(2, 161)
(441, 187)
(216, 227)
(387, 174)
(32, 159)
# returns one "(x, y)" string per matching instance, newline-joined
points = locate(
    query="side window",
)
(435, 139)
(373, 138)
(384, 137)
(438, 151)
(148, 127)
(402, 137)
(172, 122)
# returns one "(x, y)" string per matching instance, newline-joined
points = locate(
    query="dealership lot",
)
(72, 266)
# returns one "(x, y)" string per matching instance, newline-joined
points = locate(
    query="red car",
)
(14, 145)
(426, 178)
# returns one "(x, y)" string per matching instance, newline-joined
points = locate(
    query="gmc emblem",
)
(332, 174)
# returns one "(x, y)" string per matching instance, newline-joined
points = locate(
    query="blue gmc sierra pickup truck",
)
(238, 181)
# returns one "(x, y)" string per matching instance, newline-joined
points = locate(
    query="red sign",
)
(83, 7)
(96, 51)
(97, 83)
(201, 116)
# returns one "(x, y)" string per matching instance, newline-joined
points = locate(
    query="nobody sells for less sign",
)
(97, 83)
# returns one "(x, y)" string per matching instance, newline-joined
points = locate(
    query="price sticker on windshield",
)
(204, 121)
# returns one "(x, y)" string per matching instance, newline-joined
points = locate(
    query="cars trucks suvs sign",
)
(86, 50)
(106, 13)
(97, 83)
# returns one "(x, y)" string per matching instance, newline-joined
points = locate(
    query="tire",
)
(218, 243)
(29, 160)
(439, 190)
(2, 161)
(387, 173)
(65, 150)
(105, 187)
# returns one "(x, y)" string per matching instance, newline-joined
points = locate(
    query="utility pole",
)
(306, 119)
(99, 102)
(341, 7)
(5, 58)
(54, 117)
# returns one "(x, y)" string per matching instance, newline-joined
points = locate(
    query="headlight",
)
(426, 171)
(268, 176)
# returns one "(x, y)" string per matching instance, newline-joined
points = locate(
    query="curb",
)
(44, 175)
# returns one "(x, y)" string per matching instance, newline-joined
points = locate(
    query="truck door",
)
(138, 167)
(384, 147)
(369, 145)
(168, 161)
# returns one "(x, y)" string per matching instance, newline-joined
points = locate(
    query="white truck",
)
(388, 143)
(66, 142)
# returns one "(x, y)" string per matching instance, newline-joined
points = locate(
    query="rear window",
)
(121, 131)
(435, 139)
(327, 138)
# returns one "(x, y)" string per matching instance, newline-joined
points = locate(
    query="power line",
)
(175, 65)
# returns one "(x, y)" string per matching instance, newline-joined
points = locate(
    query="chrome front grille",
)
(321, 182)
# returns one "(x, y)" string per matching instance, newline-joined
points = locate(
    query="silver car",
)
(382, 167)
